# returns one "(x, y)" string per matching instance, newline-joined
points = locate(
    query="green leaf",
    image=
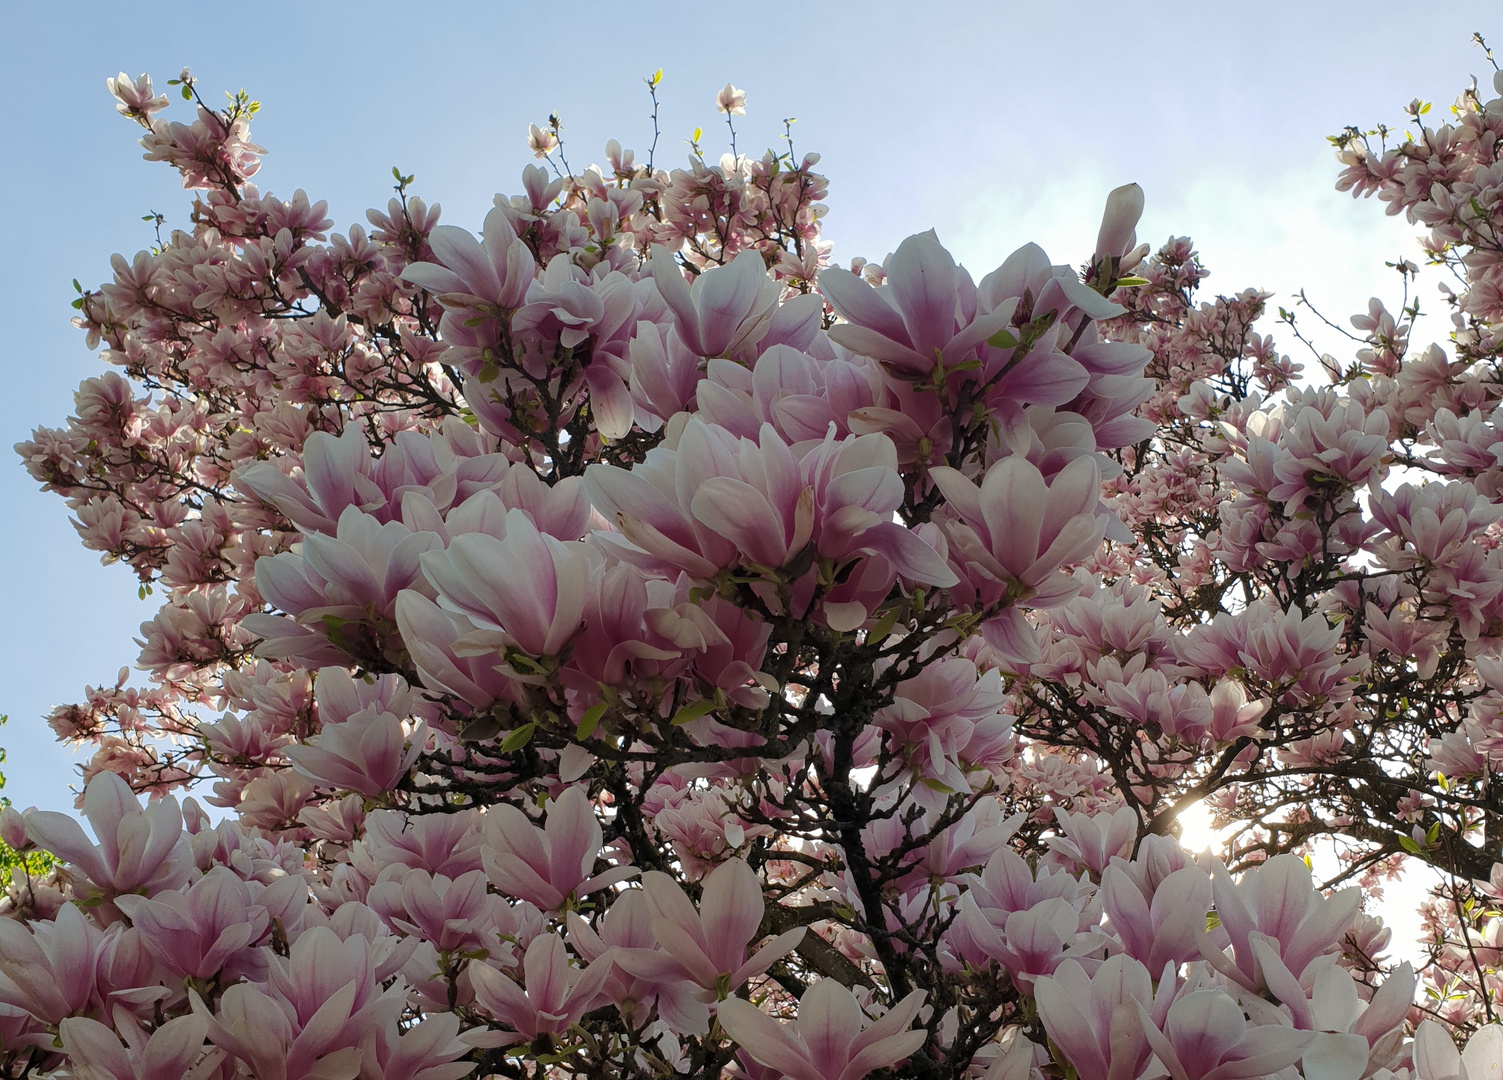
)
(1131, 282)
(1002, 339)
(1409, 845)
(518, 738)
(187, 92)
(693, 712)
(526, 663)
(590, 721)
(878, 633)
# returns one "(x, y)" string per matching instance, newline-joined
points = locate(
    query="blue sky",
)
(993, 123)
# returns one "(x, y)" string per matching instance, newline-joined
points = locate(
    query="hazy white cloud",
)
(1281, 230)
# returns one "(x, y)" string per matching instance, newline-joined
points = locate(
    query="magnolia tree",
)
(624, 644)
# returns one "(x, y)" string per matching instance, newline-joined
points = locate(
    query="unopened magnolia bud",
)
(13, 828)
(1124, 206)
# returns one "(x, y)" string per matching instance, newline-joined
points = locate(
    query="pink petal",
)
(1014, 500)
(174, 1046)
(501, 997)
(881, 1054)
(330, 465)
(574, 838)
(921, 280)
(680, 930)
(64, 837)
(829, 1020)
(910, 556)
(97, 1048)
(741, 514)
(730, 909)
(858, 303)
(462, 253)
(675, 293)
(768, 955)
(767, 1041)
(726, 296)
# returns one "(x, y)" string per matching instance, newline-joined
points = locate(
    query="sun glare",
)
(1197, 834)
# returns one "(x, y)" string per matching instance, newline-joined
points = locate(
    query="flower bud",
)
(1124, 206)
(13, 829)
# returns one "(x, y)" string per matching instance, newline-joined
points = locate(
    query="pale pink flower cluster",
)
(626, 644)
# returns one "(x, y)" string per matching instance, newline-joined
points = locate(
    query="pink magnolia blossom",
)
(913, 603)
(1014, 531)
(138, 849)
(171, 1052)
(425, 1051)
(923, 315)
(527, 585)
(1205, 1037)
(368, 751)
(553, 996)
(212, 926)
(665, 374)
(725, 311)
(547, 866)
(49, 969)
(135, 96)
(1027, 943)
(708, 947)
(832, 1039)
(648, 504)
(1353, 1037)
(1160, 927)
(488, 274)
(321, 1002)
(448, 844)
(438, 642)
(628, 926)
(1094, 1017)
(336, 476)
(1018, 529)
(730, 100)
(1089, 842)
(451, 914)
(1436, 1057)
(352, 577)
(857, 491)
(1277, 905)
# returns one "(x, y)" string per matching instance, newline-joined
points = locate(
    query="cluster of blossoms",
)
(625, 644)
